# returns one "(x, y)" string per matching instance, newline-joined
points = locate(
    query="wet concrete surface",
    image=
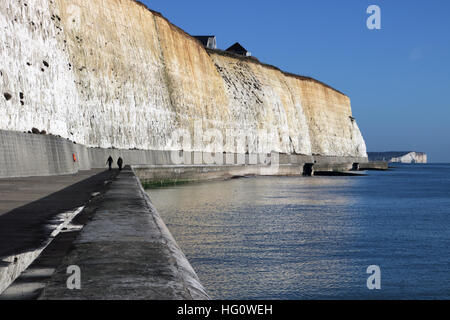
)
(30, 284)
(29, 206)
(124, 252)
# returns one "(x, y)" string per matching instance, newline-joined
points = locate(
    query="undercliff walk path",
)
(28, 206)
(125, 251)
(118, 242)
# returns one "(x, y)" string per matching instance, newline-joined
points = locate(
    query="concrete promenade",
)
(126, 252)
(123, 248)
(18, 192)
(28, 206)
(34, 210)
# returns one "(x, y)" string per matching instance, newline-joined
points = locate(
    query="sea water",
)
(315, 237)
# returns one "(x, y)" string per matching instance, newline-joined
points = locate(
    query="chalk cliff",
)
(111, 73)
(399, 157)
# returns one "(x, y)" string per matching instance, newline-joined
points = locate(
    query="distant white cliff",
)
(399, 157)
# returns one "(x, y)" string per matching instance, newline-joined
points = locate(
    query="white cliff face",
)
(399, 157)
(412, 157)
(116, 58)
(259, 99)
(34, 71)
(357, 142)
(117, 74)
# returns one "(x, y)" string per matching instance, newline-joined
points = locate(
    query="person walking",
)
(120, 163)
(110, 162)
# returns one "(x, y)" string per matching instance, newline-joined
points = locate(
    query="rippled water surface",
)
(313, 238)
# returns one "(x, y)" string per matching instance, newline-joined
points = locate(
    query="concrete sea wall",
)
(24, 155)
(126, 252)
(115, 74)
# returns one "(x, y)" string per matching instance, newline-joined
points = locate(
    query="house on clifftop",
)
(237, 48)
(209, 42)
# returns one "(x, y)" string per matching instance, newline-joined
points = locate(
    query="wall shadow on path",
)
(27, 228)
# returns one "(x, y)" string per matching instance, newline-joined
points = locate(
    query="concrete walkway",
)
(33, 211)
(28, 206)
(126, 252)
(17, 192)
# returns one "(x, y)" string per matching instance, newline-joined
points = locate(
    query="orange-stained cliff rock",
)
(117, 74)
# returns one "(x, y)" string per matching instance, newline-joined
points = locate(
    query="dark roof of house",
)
(237, 48)
(204, 39)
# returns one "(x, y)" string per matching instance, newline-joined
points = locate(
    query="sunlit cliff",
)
(112, 73)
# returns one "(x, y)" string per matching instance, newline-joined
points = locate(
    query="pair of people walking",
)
(119, 163)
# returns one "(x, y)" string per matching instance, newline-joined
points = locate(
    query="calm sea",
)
(313, 238)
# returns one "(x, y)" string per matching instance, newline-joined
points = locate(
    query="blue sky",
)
(398, 78)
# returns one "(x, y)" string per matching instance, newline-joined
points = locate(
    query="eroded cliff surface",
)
(113, 73)
(399, 157)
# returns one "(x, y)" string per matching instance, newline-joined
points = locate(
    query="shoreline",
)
(140, 175)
